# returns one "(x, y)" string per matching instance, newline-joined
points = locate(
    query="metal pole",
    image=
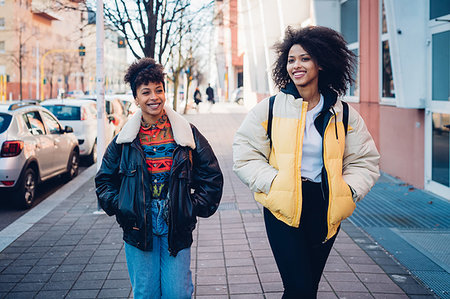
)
(100, 84)
(37, 70)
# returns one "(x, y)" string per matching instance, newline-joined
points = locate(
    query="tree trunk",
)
(187, 95)
(175, 91)
(20, 79)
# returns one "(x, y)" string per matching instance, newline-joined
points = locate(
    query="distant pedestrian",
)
(157, 175)
(210, 94)
(319, 160)
(197, 98)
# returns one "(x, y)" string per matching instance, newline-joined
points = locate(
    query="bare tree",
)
(149, 23)
(20, 56)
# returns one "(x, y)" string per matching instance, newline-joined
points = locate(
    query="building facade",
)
(227, 56)
(39, 50)
(402, 81)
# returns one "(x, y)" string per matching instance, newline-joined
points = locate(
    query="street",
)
(9, 213)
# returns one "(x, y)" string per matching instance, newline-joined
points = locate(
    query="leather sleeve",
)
(107, 180)
(207, 177)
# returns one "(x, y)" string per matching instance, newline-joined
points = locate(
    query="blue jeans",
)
(156, 274)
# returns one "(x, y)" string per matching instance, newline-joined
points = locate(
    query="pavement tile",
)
(210, 256)
(7, 286)
(12, 269)
(347, 286)
(374, 278)
(117, 274)
(211, 271)
(340, 276)
(390, 296)
(51, 294)
(363, 268)
(274, 295)
(247, 288)
(88, 284)
(243, 278)
(326, 295)
(241, 270)
(93, 275)
(220, 289)
(211, 279)
(210, 263)
(246, 296)
(233, 262)
(65, 276)
(32, 277)
(114, 293)
(117, 283)
(20, 295)
(28, 286)
(355, 295)
(82, 294)
(383, 288)
(58, 285)
(11, 277)
(269, 287)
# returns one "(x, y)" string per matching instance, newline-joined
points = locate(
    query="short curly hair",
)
(144, 71)
(327, 47)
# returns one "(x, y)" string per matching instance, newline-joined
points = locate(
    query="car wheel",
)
(93, 155)
(72, 166)
(27, 188)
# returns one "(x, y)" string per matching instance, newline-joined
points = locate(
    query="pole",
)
(37, 70)
(100, 84)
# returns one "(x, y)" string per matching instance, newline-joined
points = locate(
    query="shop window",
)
(441, 67)
(439, 8)
(349, 30)
(387, 80)
(440, 148)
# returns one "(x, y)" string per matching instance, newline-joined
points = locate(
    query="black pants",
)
(299, 252)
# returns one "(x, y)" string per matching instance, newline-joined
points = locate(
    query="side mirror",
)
(68, 129)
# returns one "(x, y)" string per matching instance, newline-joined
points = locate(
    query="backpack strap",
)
(345, 116)
(269, 119)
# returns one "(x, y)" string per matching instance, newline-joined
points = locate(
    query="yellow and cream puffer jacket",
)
(274, 174)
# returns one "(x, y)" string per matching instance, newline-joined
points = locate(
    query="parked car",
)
(115, 112)
(128, 102)
(34, 147)
(81, 115)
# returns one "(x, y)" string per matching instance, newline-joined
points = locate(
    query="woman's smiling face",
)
(301, 67)
(151, 98)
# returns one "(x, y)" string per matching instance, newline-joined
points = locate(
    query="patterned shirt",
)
(158, 145)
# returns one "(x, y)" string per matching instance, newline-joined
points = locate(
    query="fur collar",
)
(181, 128)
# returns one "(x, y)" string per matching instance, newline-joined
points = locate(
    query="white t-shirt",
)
(312, 162)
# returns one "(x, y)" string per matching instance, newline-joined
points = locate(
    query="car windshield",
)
(5, 120)
(63, 112)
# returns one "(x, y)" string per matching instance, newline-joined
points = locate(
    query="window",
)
(2, 23)
(2, 46)
(65, 112)
(387, 79)
(349, 30)
(34, 123)
(51, 123)
(439, 8)
(440, 67)
(2, 2)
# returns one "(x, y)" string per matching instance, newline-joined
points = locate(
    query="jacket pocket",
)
(342, 204)
(127, 205)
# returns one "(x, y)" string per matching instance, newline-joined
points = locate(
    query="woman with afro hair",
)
(311, 160)
(157, 176)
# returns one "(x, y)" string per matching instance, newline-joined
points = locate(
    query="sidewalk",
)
(62, 249)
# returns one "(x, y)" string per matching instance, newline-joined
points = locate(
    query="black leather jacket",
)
(195, 189)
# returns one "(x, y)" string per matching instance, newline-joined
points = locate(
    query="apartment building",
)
(39, 49)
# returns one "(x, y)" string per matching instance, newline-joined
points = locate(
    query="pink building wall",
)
(402, 142)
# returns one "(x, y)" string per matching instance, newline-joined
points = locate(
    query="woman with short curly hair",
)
(157, 175)
(306, 154)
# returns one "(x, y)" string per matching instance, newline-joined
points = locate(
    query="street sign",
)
(81, 50)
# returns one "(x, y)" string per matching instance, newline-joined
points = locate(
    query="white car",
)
(34, 148)
(81, 115)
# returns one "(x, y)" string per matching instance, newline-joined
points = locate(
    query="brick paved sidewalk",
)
(74, 253)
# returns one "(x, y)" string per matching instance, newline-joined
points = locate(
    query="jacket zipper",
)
(144, 196)
(326, 176)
